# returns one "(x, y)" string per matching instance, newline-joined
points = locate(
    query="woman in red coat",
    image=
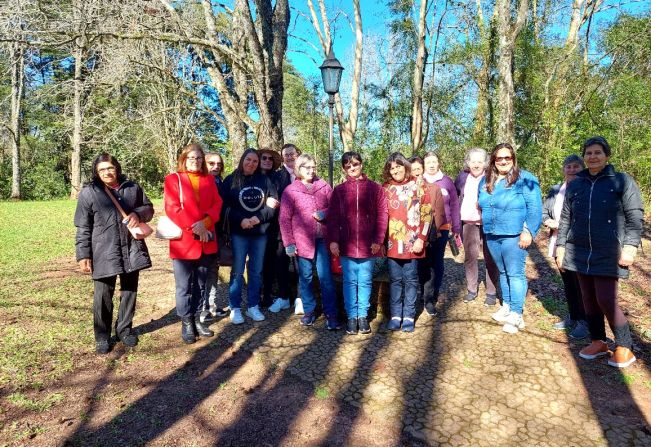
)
(193, 203)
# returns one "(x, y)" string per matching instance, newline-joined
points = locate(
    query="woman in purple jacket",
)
(357, 224)
(302, 215)
(432, 267)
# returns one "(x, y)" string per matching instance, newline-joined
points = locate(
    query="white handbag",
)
(166, 229)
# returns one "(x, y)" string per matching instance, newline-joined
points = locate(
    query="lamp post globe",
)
(331, 74)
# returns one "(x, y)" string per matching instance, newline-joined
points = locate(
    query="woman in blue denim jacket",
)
(511, 208)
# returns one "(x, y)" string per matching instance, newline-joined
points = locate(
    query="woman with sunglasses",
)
(511, 212)
(357, 225)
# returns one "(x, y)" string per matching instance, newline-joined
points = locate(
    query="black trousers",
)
(276, 267)
(103, 305)
(573, 295)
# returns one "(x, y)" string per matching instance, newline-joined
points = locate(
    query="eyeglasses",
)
(309, 168)
(194, 158)
(290, 155)
(507, 158)
(105, 170)
(267, 157)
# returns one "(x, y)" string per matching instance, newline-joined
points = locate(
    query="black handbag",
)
(225, 253)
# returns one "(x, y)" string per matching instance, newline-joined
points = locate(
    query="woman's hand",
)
(375, 248)
(85, 265)
(132, 220)
(418, 246)
(628, 256)
(290, 250)
(199, 228)
(525, 240)
(246, 224)
(551, 223)
(334, 248)
(254, 221)
(560, 255)
(272, 203)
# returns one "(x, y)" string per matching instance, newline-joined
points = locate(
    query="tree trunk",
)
(418, 79)
(77, 113)
(17, 84)
(508, 32)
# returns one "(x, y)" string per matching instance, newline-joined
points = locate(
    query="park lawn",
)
(43, 324)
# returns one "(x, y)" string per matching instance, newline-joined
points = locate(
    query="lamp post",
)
(331, 74)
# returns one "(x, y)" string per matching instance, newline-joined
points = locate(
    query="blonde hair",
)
(300, 161)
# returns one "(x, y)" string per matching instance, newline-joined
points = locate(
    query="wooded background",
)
(142, 78)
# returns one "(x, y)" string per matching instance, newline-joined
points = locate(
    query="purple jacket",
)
(298, 204)
(451, 201)
(357, 217)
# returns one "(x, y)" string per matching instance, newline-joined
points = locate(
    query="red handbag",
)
(335, 265)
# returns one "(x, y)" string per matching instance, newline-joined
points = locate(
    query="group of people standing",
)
(278, 212)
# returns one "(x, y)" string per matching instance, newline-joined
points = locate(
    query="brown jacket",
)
(438, 209)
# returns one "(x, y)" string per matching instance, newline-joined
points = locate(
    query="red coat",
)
(210, 205)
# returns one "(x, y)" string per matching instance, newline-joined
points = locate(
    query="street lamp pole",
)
(331, 74)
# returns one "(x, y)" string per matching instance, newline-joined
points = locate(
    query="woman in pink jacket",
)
(193, 203)
(357, 224)
(303, 210)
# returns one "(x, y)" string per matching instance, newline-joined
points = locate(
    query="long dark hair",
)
(106, 157)
(400, 160)
(238, 173)
(491, 172)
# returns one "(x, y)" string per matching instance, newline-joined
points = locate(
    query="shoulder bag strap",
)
(180, 189)
(115, 202)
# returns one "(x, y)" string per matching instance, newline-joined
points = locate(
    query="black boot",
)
(364, 328)
(187, 330)
(351, 326)
(202, 330)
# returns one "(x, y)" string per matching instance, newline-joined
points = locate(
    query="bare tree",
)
(417, 139)
(321, 24)
(15, 120)
(508, 29)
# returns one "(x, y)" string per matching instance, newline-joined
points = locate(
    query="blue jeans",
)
(190, 281)
(431, 268)
(510, 260)
(358, 282)
(305, 280)
(253, 247)
(403, 272)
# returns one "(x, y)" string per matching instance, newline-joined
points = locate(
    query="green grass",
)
(46, 318)
(22, 401)
(322, 392)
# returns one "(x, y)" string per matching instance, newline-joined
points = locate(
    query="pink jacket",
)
(297, 206)
(357, 217)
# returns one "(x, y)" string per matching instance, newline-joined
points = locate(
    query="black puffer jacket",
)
(101, 235)
(601, 214)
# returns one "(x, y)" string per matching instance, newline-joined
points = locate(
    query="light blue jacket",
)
(507, 210)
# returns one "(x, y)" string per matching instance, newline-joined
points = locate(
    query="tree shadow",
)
(177, 395)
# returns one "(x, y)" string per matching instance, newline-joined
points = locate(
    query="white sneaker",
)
(255, 314)
(298, 307)
(502, 313)
(513, 323)
(236, 316)
(278, 305)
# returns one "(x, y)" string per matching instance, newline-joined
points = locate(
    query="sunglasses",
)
(267, 157)
(507, 158)
(352, 165)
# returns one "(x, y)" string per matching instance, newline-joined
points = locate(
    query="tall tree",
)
(508, 29)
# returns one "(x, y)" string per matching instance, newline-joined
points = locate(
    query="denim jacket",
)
(508, 210)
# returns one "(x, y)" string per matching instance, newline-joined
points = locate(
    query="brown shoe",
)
(594, 350)
(621, 358)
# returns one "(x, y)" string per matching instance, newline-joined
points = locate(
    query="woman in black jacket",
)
(250, 200)
(106, 248)
(598, 236)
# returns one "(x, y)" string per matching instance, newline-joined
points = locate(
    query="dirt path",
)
(458, 380)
